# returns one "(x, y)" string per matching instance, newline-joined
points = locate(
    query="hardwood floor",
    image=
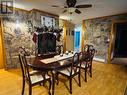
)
(108, 79)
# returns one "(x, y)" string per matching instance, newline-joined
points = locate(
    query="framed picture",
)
(7, 7)
(47, 21)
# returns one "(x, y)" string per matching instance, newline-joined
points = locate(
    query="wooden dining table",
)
(52, 64)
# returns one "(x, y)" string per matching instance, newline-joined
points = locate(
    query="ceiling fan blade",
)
(84, 6)
(77, 11)
(55, 6)
(64, 11)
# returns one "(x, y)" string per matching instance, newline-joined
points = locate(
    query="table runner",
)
(56, 58)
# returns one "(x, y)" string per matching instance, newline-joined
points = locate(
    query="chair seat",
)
(67, 71)
(37, 78)
(33, 72)
(83, 65)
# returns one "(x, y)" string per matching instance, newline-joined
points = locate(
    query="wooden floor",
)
(108, 79)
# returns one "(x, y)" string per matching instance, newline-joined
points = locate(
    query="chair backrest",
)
(92, 53)
(25, 51)
(88, 56)
(75, 63)
(24, 65)
(59, 49)
(87, 47)
(81, 57)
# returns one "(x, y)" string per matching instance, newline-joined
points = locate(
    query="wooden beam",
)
(45, 13)
(82, 35)
(107, 16)
(2, 44)
(110, 44)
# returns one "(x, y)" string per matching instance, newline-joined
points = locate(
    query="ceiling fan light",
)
(71, 10)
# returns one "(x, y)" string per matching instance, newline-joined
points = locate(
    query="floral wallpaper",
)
(98, 33)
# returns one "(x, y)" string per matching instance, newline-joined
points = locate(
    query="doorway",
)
(118, 46)
(77, 36)
(120, 49)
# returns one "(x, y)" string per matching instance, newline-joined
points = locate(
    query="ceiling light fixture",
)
(71, 10)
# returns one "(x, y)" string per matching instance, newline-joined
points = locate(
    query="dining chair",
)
(71, 71)
(87, 47)
(59, 49)
(32, 78)
(30, 54)
(86, 63)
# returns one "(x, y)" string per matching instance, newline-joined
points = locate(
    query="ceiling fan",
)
(71, 6)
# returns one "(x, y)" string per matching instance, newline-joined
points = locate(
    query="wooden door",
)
(1, 48)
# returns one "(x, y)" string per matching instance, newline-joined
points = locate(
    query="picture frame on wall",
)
(48, 21)
(6, 7)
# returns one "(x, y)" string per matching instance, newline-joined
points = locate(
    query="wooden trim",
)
(119, 21)
(17, 8)
(83, 35)
(29, 11)
(110, 44)
(21, 9)
(3, 46)
(54, 15)
(107, 16)
(64, 35)
(1, 50)
(112, 38)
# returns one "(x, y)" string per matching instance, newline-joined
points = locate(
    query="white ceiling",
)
(99, 8)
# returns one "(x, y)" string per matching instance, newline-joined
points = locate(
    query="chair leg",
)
(23, 87)
(86, 74)
(30, 90)
(49, 87)
(91, 71)
(44, 83)
(79, 79)
(40, 84)
(57, 78)
(70, 81)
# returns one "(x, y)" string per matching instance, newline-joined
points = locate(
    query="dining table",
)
(52, 65)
